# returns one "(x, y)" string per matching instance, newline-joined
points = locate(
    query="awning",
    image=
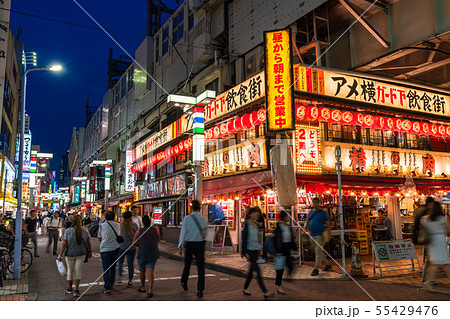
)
(159, 200)
(236, 183)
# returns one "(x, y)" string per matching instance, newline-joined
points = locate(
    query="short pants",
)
(144, 265)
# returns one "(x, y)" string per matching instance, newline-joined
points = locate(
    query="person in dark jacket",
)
(284, 242)
(418, 214)
(251, 247)
(148, 238)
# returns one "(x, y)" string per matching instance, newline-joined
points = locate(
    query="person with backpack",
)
(192, 238)
(318, 220)
(251, 247)
(127, 249)
(148, 238)
(55, 225)
(76, 245)
(108, 234)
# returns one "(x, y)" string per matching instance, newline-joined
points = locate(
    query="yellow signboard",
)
(279, 84)
(373, 90)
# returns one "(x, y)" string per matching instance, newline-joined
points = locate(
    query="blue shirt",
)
(317, 223)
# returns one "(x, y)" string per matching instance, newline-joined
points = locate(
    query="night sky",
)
(56, 100)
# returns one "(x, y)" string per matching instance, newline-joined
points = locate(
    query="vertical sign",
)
(107, 177)
(129, 177)
(5, 6)
(198, 148)
(92, 174)
(76, 194)
(83, 189)
(278, 74)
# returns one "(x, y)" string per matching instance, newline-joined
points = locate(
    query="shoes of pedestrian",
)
(200, 293)
(184, 285)
(119, 282)
(429, 286)
(280, 291)
(327, 268)
(130, 285)
(69, 291)
(261, 261)
(267, 295)
(37, 255)
(107, 292)
(245, 292)
(141, 290)
(54, 253)
(315, 272)
(150, 295)
(76, 293)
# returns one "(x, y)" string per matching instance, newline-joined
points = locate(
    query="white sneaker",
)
(261, 261)
(119, 282)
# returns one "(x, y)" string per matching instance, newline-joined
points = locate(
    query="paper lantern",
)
(378, 122)
(415, 127)
(216, 132)
(389, 124)
(186, 144)
(324, 114)
(424, 128)
(224, 129)
(230, 125)
(406, 125)
(312, 113)
(254, 118)
(358, 119)
(336, 116)
(368, 120)
(347, 118)
(398, 125)
(181, 146)
(176, 149)
(262, 115)
(441, 130)
(238, 124)
(447, 131)
(300, 112)
(246, 121)
(433, 129)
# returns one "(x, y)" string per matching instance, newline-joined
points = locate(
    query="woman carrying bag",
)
(284, 242)
(77, 245)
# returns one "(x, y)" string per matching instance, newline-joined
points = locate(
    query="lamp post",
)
(18, 228)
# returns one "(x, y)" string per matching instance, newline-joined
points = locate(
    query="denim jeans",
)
(130, 254)
(109, 259)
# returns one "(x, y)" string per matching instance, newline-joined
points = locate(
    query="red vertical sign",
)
(92, 176)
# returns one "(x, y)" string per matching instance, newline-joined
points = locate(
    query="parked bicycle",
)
(7, 248)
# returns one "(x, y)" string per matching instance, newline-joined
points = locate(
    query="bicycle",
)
(26, 259)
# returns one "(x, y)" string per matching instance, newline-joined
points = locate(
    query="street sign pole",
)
(341, 212)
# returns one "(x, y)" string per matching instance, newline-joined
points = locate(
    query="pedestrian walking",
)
(137, 219)
(419, 212)
(192, 238)
(127, 249)
(55, 224)
(437, 227)
(318, 220)
(108, 233)
(262, 235)
(31, 226)
(251, 247)
(284, 243)
(148, 238)
(76, 244)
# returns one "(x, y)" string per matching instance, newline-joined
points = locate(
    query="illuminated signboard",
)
(157, 215)
(129, 177)
(278, 74)
(155, 141)
(365, 160)
(362, 88)
(307, 149)
(175, 185)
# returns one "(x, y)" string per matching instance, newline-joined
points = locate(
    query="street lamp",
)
(18, 237)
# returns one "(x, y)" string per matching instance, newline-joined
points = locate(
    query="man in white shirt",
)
(109, 249)
(55, 224)
(192, 236)
(136, 218)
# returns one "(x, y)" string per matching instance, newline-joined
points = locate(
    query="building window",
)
(157, 49)
(178, 26)
(190, 20)
(130, 78)
(117, 93)
(213, 85)
(165, 41)
(123, 86)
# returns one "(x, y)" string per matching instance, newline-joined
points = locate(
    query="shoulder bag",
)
(88, 251)
(202, 231)
(119, 238)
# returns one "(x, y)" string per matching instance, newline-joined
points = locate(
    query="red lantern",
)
(181, 146)
(300, 112)
(238, 124)
(336, 116)
(415, 127)
(324, 114)
(389, 124)
(406, 125)
(425, 128)
(262, 115)
(358, 119)
(224, 129)
(216, 132)
(246, 121)
(186, 144)
(368, 120)
(176, 149)
(312, 113)
(441, 130)
(254, 118)
(447, 131)
(230, 126)
(398, 125)
(347, 118)
(434, 129)
(378, 122)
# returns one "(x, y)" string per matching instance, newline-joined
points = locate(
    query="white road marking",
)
(100, 283)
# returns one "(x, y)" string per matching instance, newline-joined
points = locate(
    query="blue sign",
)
(216, 214)
(76, 194)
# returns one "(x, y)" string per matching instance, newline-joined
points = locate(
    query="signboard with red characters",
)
(307, 149)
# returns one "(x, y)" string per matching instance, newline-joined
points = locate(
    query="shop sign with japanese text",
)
(175, 185)
(129, 177)
(362, 88)
(153, 142)
(5, 6)
(235, 159)
(280, 110)
(307, 149)
(375, 161)
(395, 250)
(237, 97)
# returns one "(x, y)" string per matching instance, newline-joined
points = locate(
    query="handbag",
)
(119, 238)
(88, 251)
